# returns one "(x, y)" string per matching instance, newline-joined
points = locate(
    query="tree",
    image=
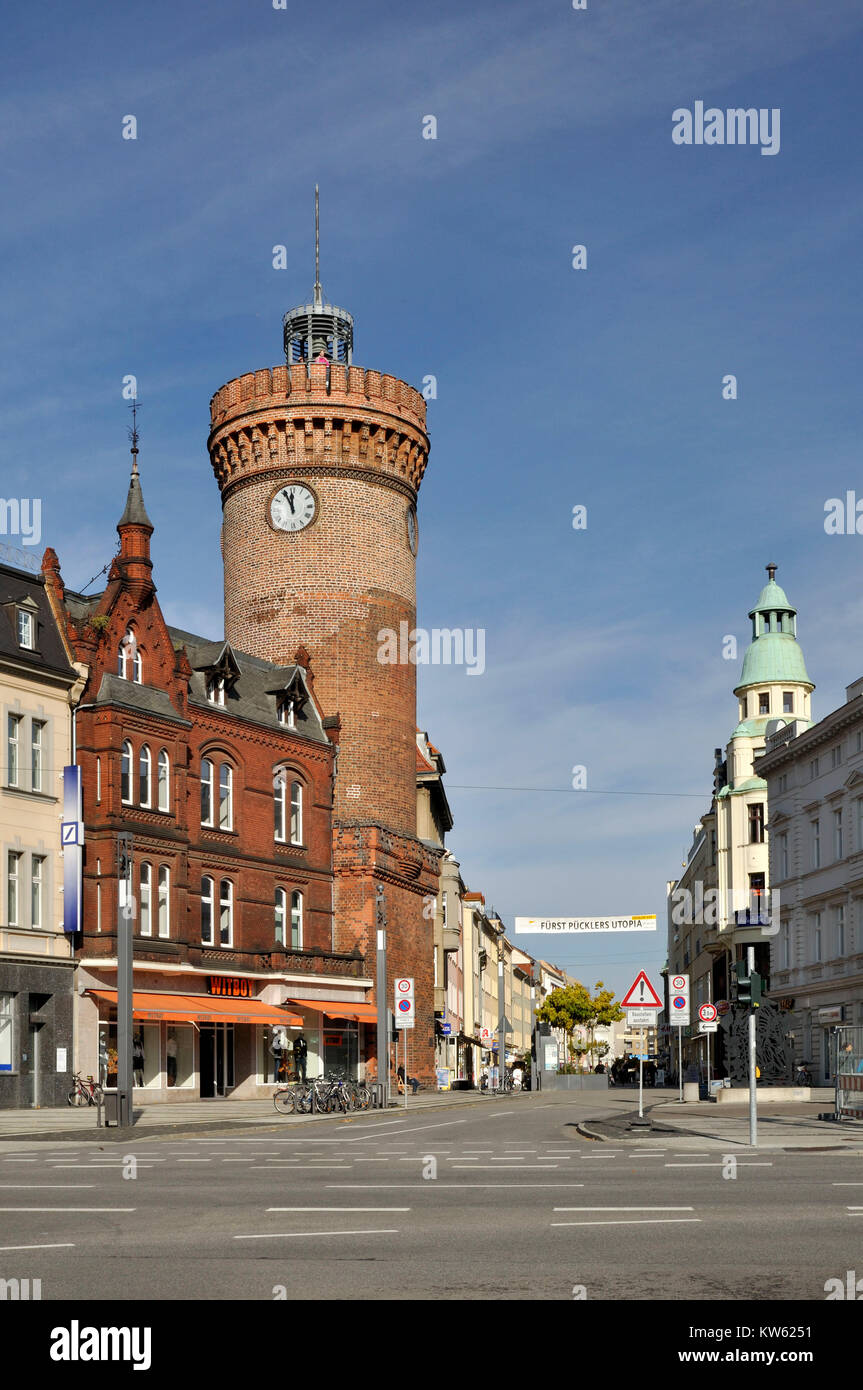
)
(574, 1006)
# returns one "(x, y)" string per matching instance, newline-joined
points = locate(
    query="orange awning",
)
(336, 1008)
(200, 1008)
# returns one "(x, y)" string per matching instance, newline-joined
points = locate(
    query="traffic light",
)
(756, 988)
(744, 983)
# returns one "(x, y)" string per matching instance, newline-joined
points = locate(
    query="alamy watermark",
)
(21, 516)
(440, 646)
(734, 126)
(708, 907)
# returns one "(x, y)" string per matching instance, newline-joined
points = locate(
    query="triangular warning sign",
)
(641, 995)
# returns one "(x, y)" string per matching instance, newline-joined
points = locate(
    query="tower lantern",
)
(318, 329)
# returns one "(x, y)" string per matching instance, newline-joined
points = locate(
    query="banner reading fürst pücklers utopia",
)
(529, 925)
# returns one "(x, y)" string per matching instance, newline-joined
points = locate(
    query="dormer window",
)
(288, 713)
(216, 690)
(26, 629)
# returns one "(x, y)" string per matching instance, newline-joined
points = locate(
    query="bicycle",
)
(87, 1092)
(804, 1076)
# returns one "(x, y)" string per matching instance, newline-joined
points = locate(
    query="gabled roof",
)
(19, 589)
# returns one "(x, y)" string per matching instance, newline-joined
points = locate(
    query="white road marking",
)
(338, 1208)
(438, 1186)
(44, 1186)
(624, 1208)
(651, 1221)
(68, 1208)
(741, 1163)
(487, 1168)
(440, 1125)
(308, 1167)
(62, 1245)
(305, 1235)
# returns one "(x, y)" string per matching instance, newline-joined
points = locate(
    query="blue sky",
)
(555, 386)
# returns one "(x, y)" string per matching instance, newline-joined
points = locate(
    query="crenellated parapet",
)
(327, 417)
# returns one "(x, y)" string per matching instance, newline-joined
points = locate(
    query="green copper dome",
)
(773, 655)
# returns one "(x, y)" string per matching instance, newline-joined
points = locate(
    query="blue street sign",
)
(446, 1029)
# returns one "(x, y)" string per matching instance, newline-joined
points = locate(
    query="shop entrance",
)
(217, 1059)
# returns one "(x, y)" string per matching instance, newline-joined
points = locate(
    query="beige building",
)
(38, 686)
(720, 904)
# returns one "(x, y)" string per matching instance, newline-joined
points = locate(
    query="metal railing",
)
(848, 1071)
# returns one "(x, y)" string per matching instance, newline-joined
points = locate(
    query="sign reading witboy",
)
(529, 925)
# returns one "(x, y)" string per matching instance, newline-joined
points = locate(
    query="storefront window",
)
(341, 1048)
(146, 1060)
(180, 1056)
(7, 1004)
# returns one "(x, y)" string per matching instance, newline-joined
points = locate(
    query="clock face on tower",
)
(411, 523)
(293, 507)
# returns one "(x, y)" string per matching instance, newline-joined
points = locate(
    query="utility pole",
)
(125, 920)
(381, 989)
(501, 1013)
(753, 1098)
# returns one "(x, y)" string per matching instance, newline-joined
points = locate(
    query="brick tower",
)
(319, 464)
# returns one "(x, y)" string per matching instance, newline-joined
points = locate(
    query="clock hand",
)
(290, 497)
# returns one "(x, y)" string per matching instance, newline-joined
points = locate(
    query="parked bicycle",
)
(323, 1096)
(804, 1075)
(87, 1092)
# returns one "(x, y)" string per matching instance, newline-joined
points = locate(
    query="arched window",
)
(129, 664)
(206, 912)
(145, 768)
(126, 773)
(98, 779)
(164, 780)
(164, 908)
(297, 921)
(206, 792)
(146, 911)
(226, 797)
(296, 813)
(281, 912)
(226, 913)
(279, 784)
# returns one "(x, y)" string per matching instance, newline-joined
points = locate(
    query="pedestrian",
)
(138, 1059)
(517, 1076)
(301, 1049)
(103, 1059)
(411, 1081)
(171, 1054)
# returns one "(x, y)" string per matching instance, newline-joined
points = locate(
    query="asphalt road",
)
(496, 1201)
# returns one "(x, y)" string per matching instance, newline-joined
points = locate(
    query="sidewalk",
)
(787, 1127)
(198, 1116)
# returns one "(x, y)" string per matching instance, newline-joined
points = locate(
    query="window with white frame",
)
(98, 895)
(37, 890)
(297, 921)
(279, 784)
(98, 780)
(836, 755)
(226, 913)
(839, 929)
(145, 907)
(145, 770)
(216, 690)
(164, 781)
(788, 702)
(129, 663)
(786, 945)
(858, 822)
(207, 911)
(164, 906)
(13, 761)
(288, 713)
(26, 629)
(816, 843)
(281, 907)
(126, 773)
(13, 888)
(37, 753)
(782, 841)
(816, 937)
(226, 797)
(813, 769)
(206, 792)
(7, 1023)
(838, 839)
(296, 813)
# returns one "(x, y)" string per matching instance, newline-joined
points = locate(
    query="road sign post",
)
(642, 1005)
(753, 1098)
(405, 1017)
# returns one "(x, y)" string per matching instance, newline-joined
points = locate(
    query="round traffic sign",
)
(679, 1001)
(679, 982)
(403, 986)
(404, 1006)
(707, 1013)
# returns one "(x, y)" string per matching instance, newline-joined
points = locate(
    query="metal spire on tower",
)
(318, 331)
(318, 292)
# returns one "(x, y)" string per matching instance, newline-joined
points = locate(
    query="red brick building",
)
(220, 765)
(319, 465)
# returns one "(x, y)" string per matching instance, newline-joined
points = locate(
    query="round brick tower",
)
(319, 463)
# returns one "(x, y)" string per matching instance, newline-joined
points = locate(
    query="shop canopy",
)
(338, 1008)
(200, 1008)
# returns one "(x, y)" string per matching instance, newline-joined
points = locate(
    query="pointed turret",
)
(135, 529)
(773, 667)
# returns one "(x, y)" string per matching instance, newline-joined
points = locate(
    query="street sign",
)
(405, 1009)
(707, 1013)
(641, 994)
(446, 1029)
(678, 1013)
(640, 1018)
(707, 1027)
(535, 926)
